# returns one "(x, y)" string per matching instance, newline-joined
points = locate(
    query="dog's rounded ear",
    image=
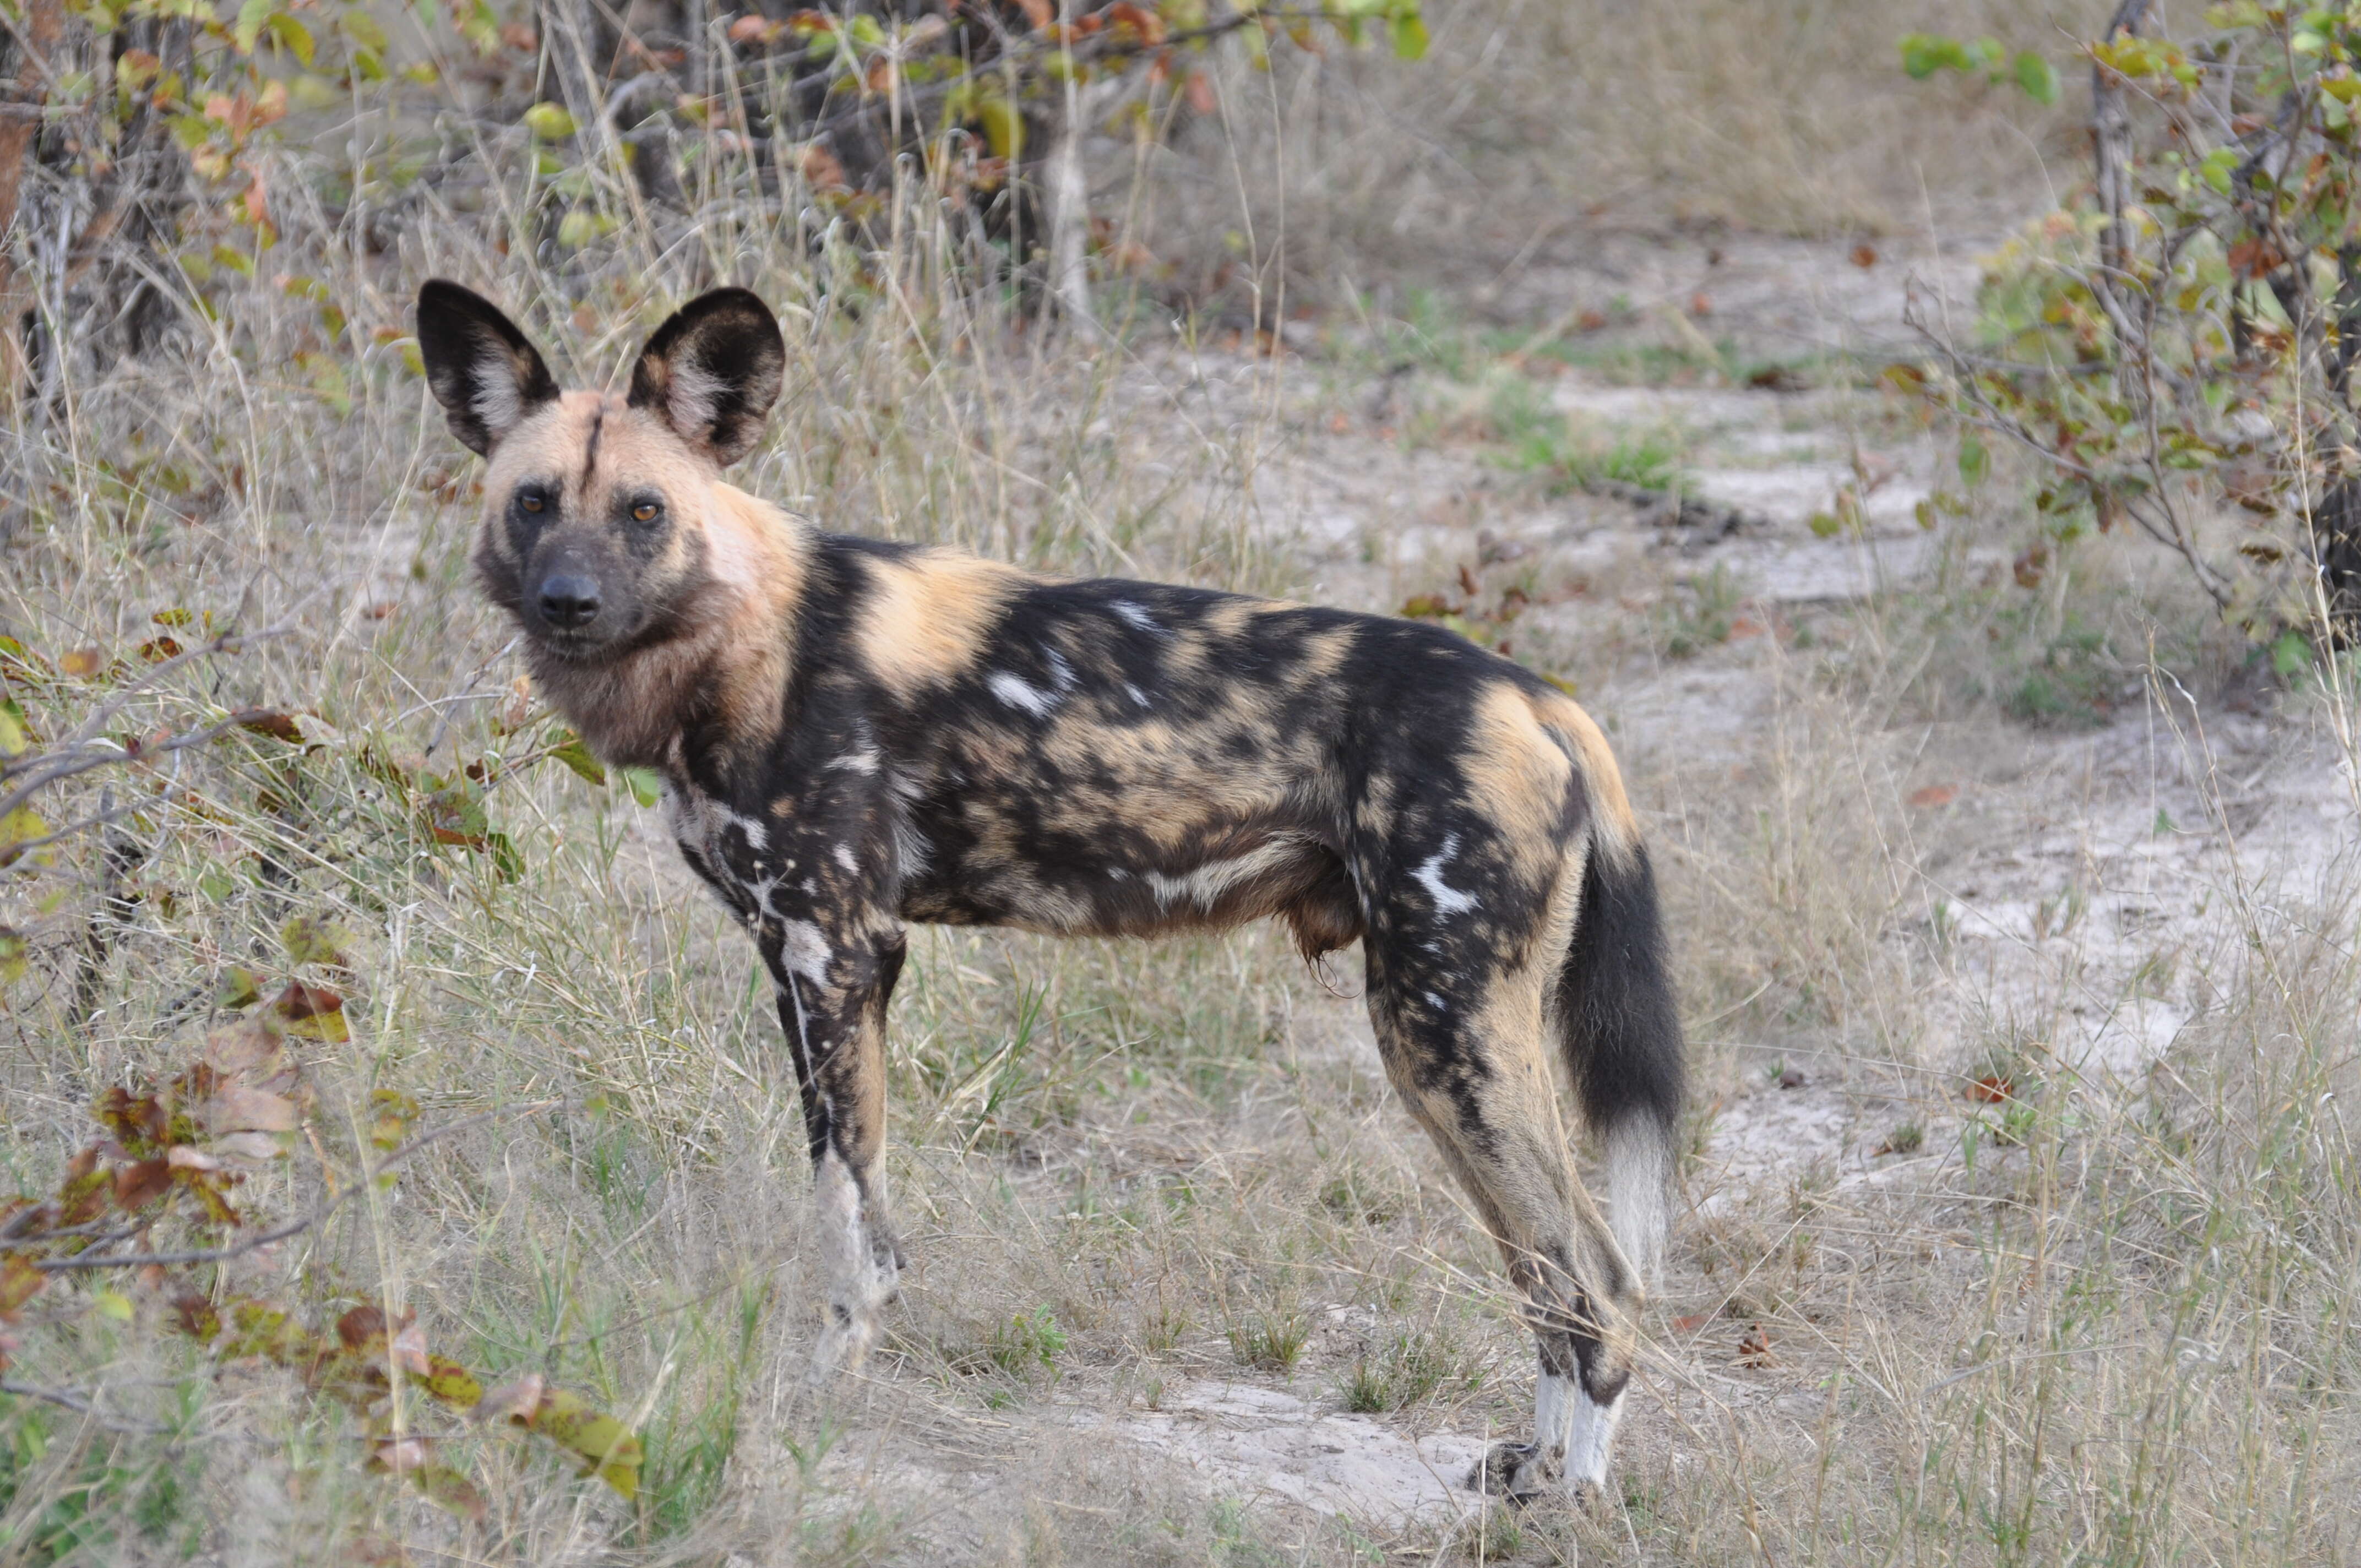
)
(712, 371)
(483, 371)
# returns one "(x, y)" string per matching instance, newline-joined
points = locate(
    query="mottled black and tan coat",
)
(856, 735)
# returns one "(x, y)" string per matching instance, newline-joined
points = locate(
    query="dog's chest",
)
(733, 851)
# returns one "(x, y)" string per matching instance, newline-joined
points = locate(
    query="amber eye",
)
(530, 503)
(644, 512)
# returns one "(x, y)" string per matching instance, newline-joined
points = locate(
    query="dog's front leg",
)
(834, 977)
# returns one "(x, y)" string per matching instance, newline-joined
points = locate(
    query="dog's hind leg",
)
(1471, 1058)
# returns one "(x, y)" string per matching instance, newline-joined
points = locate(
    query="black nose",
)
(569, 601)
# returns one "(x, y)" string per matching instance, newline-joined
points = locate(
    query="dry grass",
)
(2107, 1324)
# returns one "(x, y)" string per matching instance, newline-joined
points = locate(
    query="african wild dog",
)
(856, 734)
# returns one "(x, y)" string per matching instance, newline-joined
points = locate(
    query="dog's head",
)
(595, 531)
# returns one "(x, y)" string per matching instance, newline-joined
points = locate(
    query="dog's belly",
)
(1239, 878)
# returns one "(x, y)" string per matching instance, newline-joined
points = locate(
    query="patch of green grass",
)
(1027, 1341)
(1701, 611)
(1271, 1340)
(1541, 441)
(1409, 1367)
(690, 1442)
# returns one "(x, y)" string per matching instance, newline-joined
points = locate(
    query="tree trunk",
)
(20, 125)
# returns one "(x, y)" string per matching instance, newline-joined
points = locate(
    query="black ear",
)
(713, 371)
(484, 373)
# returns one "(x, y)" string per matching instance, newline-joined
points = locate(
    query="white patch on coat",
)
(863, 762)
(498, 402)
(1639, 1173)
(1205, 885)
(1133, 615)
(1587, 1429)
(844, 857)
(804, 950)
(858, 1284)
(1135, 695)
(700, 819)
(1015, 691)
(912, 850)
(692, 399)
(1448, 900)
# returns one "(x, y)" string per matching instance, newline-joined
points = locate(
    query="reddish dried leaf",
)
(1934, 795)
(250, 1052)
(2255, 259)
(1040, 13)
(314, 1012)
(269, 721)
(407, 1351)
(138, 1120)
(1200, 93)
(19, 1283)
(1992, 1088)
(1754, 1346)
(237, 1110)
(1864, 255)
(197, 1317)
(1693, 1323)
(142, 1183)
(81, 664)
(360, 1327)
(250, 1147)
(822, 170)
(519, 1401)
(400, 1454)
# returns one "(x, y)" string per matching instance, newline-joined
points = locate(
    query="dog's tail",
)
(1622, 1032)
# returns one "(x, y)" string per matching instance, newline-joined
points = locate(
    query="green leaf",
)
(21, 826)
(450, 1382)
(294, 37)
(1923, 54)
(580, 226)
(1410, 36)
(2037, 76)
(1003, 127)
(12, 729)
(311, 940)
(112, 1304)
(251, 16)
(14, 951)
(2291, 654)
(239, 987)
(550, 122)
(576, 756)
(647, 784)
(362, 29)
(1975, 461)
(604, 1443)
